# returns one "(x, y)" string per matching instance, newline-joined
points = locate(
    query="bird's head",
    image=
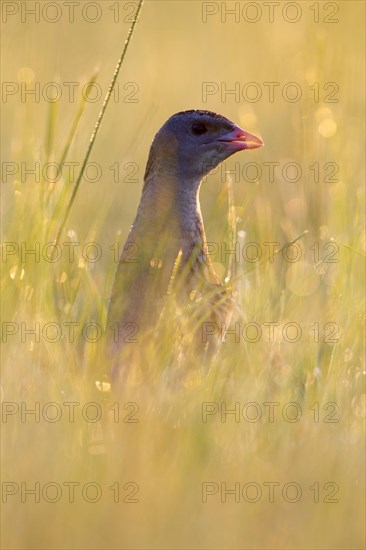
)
(193, 143)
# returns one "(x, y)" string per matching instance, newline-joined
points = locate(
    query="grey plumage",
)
(168, 231)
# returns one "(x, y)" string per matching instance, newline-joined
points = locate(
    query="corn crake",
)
(166, 249)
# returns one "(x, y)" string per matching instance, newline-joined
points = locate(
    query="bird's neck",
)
(170, 210)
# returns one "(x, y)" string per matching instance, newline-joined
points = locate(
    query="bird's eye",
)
(198, 128)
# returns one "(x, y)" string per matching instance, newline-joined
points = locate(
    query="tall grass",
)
(171, 452)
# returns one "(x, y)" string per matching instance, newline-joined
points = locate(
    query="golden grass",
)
(171, 452)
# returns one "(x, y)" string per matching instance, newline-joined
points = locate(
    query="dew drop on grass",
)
(63, 277)
(28, 292)
(195, 296)
(156, 263)
(327, 128)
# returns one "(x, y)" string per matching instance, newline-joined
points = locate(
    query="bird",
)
(166, 249)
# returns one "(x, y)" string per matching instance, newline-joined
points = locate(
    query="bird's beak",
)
(240, 140)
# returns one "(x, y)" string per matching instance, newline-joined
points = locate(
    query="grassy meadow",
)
(267, 451)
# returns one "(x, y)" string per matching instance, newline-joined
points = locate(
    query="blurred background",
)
(292, 73)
